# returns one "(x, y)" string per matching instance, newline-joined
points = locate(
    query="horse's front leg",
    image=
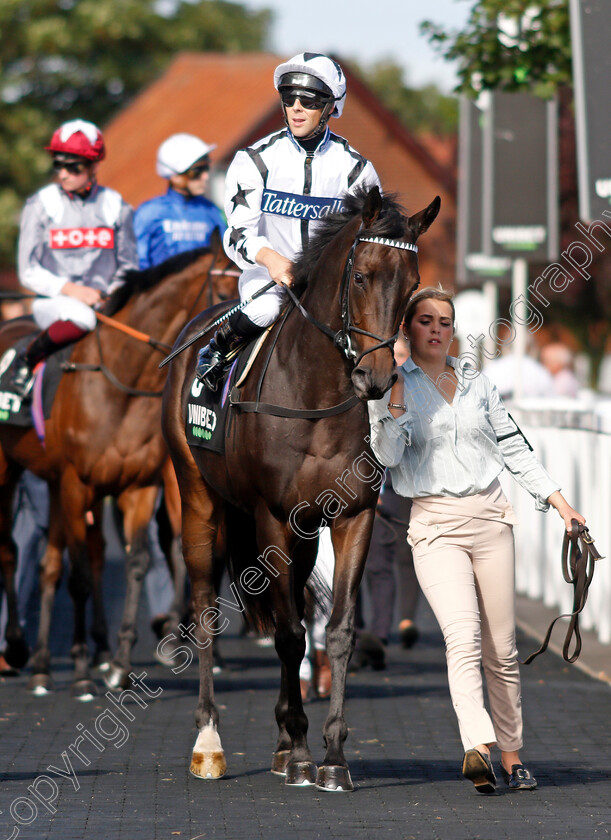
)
(96, 545)
(292, 756)
(137, 505)
(16, 653)
(51, 568)
(350, 544)
(75, 501)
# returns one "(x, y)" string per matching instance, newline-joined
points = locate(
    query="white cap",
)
(179, 152)
(322, 67)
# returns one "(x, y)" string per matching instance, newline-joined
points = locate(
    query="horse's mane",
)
(140, 281)
(391, 223)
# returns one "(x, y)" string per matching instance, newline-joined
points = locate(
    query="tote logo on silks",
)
(308, 207)
(61, 238)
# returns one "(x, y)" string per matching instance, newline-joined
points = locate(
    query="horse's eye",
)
(359, 278)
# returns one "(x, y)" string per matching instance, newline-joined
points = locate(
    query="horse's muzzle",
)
(370, 385)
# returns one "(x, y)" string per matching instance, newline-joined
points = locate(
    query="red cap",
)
(79, 138)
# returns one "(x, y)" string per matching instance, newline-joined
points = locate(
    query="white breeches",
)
(47, 311)
(265, 309)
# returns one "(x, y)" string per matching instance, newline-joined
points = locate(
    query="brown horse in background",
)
(103, 438)
(297, 457)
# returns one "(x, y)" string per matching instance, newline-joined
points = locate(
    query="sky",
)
(368, 31)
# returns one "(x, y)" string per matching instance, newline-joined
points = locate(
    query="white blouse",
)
(456, 449)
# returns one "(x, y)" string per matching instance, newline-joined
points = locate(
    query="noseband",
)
(341, 338)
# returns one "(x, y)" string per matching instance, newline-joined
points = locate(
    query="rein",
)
(162, 347)
(341, 338)
(578, 556)
(139, 336)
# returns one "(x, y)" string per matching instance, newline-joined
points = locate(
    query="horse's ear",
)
(422, 221)
(216, 241)
(372, 207)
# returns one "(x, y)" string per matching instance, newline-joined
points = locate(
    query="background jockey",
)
(276, 190)
(183, 218)
(75, 244)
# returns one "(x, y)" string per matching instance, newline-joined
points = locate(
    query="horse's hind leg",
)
(201, 511)
(137, 505)
(16, 652)
(51, 567)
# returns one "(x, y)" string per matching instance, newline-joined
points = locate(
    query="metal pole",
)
(519, 290)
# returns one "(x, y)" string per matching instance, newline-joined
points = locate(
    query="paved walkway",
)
(403, 750)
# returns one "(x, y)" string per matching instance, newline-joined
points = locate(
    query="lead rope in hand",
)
(578, 556)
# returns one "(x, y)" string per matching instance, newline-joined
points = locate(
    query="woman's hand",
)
(280, 268)
(567, 513)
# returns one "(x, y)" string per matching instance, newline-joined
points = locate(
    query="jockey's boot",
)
(23, 366)
(58, 335)
(214, 359)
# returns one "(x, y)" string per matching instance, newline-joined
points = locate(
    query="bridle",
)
(341, 338)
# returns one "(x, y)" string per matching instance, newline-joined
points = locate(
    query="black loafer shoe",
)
(520, 778)
(477, 767)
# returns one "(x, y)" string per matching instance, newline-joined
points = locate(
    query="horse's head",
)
(381, 274)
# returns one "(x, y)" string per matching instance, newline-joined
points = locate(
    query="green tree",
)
(61, 59)
(514, 45)
(509, 45)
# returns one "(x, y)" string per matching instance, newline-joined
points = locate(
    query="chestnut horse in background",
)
(103, 438)
(297, 453)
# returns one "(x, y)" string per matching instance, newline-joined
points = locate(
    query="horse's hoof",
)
(279, 761)
(84, 690)
(334, 778)
(40, 685)
(116, 678)
(208, 765)
(301, 773)
(102, 661)
(17, 653)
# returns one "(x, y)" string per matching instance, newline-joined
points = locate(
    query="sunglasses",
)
(197, 171)
(74, 168)
(309, 101)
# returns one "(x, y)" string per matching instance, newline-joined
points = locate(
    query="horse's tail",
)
(242, 555)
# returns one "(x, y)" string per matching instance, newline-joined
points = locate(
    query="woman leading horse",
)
(297, 457)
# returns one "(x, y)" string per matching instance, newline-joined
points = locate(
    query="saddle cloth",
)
(207, 411)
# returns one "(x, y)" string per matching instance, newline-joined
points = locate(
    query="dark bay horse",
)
(282, 477)
(103, 438)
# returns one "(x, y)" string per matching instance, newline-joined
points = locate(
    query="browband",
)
(392, 243)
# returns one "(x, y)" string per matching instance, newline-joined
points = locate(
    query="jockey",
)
(183, 218)
(275, 192)
(76, 243)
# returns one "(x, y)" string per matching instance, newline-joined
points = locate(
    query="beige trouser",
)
(465, 567)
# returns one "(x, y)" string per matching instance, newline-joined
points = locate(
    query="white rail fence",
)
(573, 441)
